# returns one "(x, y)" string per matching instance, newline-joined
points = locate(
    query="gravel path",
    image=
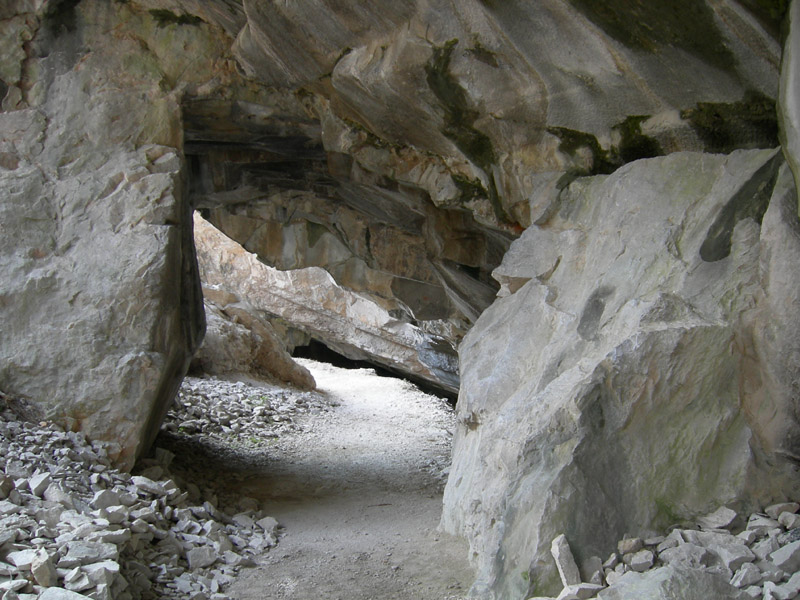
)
(354, 476)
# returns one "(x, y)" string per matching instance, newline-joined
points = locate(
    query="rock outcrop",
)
(637, 369)
(238, 341)
(311, 301)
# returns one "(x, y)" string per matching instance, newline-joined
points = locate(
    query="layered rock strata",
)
(311, 301)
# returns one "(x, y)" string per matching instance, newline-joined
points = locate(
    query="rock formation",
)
(238, 341)
(642, 336)
(638, 363)
(311, 301)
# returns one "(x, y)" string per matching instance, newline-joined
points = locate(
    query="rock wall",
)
(638, 369)
(403, 146)
(101, 304)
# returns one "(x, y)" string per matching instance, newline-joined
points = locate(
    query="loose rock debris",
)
(72, 526)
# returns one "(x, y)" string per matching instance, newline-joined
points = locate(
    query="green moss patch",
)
(725, 127)
(458, 116)
(648, 25)
(571, 140)
(633, 143)
(166, 17)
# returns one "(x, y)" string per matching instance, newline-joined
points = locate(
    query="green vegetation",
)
(458, 116)
(459, 120)
(724, 127)
(469, 188)
(570, 141)
(483, 54)
(634, 144)
(165, 17)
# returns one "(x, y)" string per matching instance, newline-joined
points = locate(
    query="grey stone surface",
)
(553, 373)
(565, 562)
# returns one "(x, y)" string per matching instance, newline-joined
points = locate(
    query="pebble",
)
(763, 560)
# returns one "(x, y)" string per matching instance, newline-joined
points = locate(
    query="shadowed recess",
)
(649, 26)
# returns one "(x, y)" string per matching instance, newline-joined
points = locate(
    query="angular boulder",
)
(100, 295)
(239, 341)
(637, 370)
(671, 583)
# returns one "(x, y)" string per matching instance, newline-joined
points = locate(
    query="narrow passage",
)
(358, 490)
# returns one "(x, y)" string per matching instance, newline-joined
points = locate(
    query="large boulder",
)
(638, 369)
(100, 301)
(789, 96)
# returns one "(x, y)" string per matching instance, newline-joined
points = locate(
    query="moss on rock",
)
(724, 127)
(649, 26)
(165, 17)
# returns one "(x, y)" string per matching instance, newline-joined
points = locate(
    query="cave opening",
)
(320, 352)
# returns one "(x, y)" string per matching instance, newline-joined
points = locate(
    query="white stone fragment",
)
(746, 576)
(787, 558)
(39, 483)
(565, 562)
(148, 485)
(775, 510)
(105, 499)
(54, 593)
(103, 572)
(22, 559)
(765, 547)
(629, 545)
(748, 536)
(641, 561)
(581, 591)
(721, 518)
(690, 555)
(43, 570)
(789, 520)
(202, 556)
(269, 525)
(8, 508)
(761, 524)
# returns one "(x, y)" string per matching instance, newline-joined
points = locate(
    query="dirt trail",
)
(358, 491)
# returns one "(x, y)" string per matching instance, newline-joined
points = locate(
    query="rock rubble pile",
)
(760, 560)
(72, 526)
(237, 413)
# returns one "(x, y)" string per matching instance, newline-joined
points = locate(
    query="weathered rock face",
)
(414, 141)
(638, 369)
(239, 341)
(789, 105)
(101, 305)
(96, 340)
(311, 300)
